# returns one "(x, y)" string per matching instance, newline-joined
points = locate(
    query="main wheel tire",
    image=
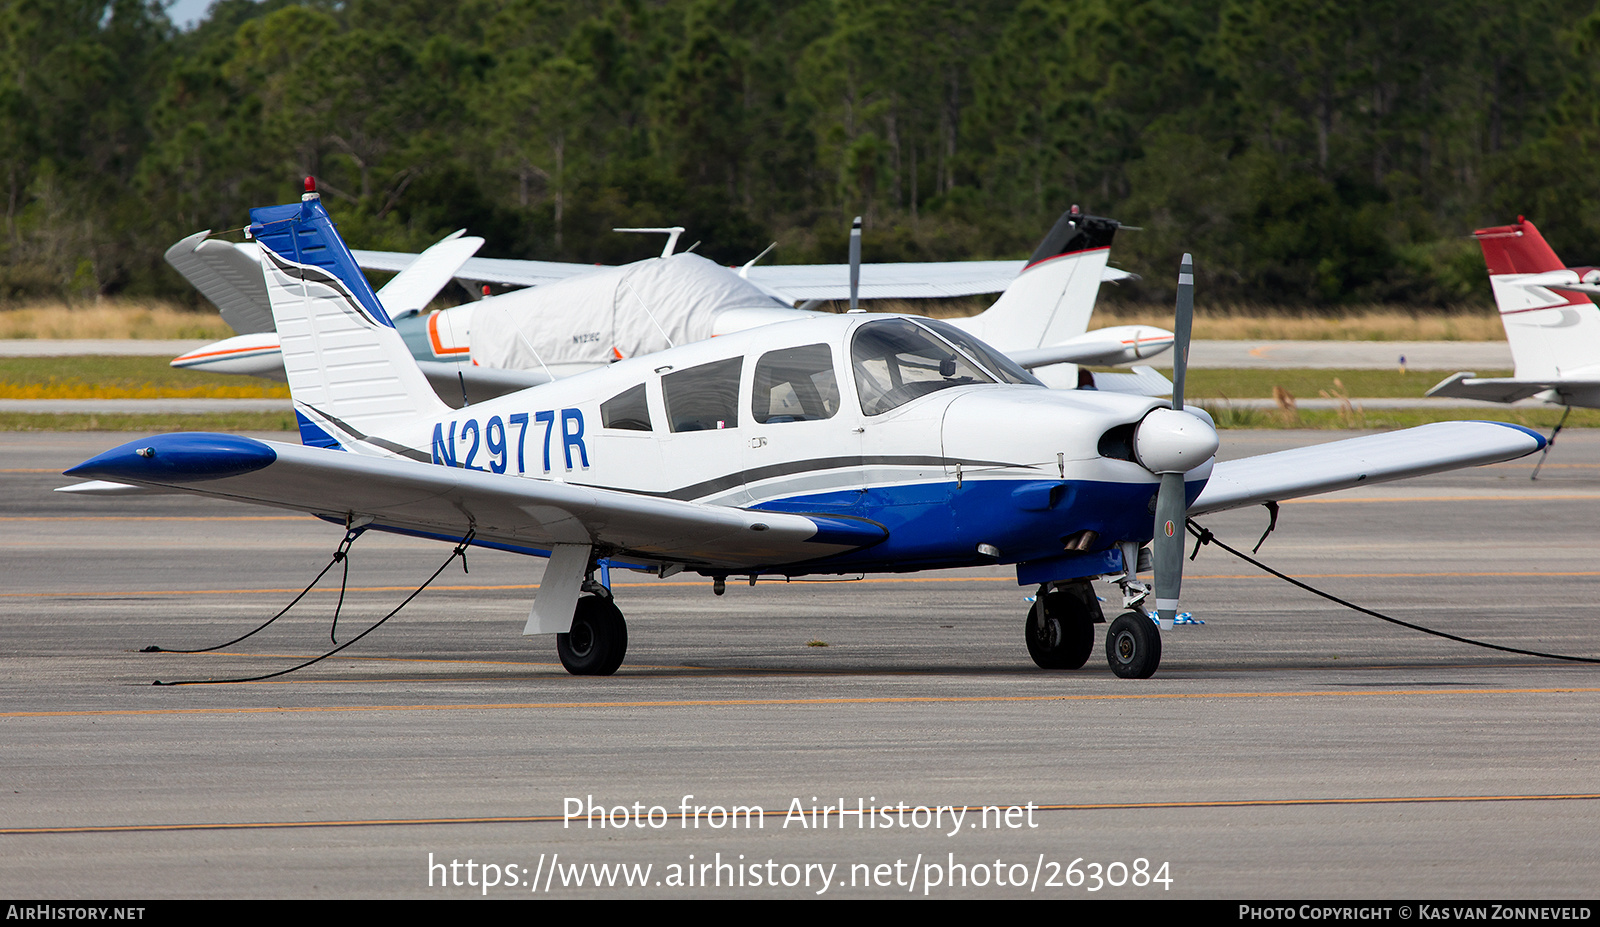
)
(1133, 646)
(598, 640)
(1059, 632)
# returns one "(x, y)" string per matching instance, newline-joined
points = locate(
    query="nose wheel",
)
(1133, 646)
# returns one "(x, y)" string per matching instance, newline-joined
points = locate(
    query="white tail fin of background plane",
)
(349, 372)
(1054, 296)
(1554, 333)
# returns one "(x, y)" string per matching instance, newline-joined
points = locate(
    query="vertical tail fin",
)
(1053, 298)
(1516, 249)
(1552, 332)
(349, 371)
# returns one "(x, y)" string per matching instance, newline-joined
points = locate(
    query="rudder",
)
(349, 371)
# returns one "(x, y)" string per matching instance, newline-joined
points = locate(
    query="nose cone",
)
(1169, 441)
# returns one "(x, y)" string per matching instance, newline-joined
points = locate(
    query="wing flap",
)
(1320, 468)
(523, 514)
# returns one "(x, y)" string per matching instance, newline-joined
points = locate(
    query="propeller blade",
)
(1183, 322)
(855, 264)
(1167, 552)
(1171, 503)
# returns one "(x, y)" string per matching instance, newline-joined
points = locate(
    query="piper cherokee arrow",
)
(831, 445)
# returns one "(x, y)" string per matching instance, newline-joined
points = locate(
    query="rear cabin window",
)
(703, 398)
(626, 411)
(895, 361)
(795, 385)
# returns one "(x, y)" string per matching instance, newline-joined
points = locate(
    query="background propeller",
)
(855, 264)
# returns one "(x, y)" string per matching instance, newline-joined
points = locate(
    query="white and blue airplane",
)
(838, 444)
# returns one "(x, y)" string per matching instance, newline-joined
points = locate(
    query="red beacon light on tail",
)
(311, 190)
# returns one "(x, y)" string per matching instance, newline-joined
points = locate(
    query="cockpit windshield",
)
(896, 360)
(1002, 366)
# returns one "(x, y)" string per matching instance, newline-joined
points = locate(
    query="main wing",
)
(1320, 468)
(504, 511)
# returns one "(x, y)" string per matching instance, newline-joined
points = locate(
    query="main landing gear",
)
(1060, 628)
(599, 637)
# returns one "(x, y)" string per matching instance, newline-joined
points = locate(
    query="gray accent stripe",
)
(317, 275)
(740, 478)
(384, 443)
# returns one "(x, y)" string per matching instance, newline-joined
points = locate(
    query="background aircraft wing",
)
(926, 280)
(797, 282)
(503, 271)
(527, 515)
(1319, 468)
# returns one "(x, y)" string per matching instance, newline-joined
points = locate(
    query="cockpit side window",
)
(795, 385)
(895, 361)
(627, 411)
(703, 398)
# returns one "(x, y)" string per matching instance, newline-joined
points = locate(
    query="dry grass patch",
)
(110, 318)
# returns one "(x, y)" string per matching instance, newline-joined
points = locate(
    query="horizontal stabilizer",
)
(1320, 468)
(414, 287)
(1502, 389)
(229, 275)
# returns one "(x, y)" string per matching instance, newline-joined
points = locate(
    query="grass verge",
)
(1206, 384)
(111, 318)
(148, 423)
(119, 377)
(1385, 419)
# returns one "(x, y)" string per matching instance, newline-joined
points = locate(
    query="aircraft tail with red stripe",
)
(1551, 323)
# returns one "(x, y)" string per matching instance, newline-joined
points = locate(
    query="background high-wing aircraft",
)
(827, 445)
(1551, 323)
(579, 317)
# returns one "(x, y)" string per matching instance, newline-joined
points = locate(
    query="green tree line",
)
(1308, 153)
